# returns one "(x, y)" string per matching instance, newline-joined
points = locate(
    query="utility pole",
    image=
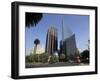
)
(62, 37)
(62, 31)
(88, 44)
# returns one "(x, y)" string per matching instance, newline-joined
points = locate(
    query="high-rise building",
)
(51, 41)
(68, 42)
(68, 46)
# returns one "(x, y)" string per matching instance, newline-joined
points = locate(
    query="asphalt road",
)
(30, 65)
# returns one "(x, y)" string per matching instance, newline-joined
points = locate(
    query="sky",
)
(73, 24)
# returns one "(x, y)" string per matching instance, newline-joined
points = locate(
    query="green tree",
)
(43, 57)
(71, 57)
(85, 56)
(31, 19)
(54, 59)
(77, 55)
(62, 57)
(29, 58)
(35, 57)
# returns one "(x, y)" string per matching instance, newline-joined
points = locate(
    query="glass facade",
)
(51, 41)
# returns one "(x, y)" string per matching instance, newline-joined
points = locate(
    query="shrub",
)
(35, 57)
(43, 57)
(29, 58)
(54, 59)
(62, 57)
(85, 56)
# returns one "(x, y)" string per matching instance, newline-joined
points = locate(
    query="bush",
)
(29, 58)
(54, 59)
(72, 57)
(36, 57)
(43, 57)
(85, 56)
(62, 57)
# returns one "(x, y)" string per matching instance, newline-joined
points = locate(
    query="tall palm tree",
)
(32, 19)
(36, 42)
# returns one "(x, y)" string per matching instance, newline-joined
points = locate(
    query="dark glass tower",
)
(51, 41)
(68, 42)
(68, 46)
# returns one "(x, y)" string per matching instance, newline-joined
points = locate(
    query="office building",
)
(51, 41)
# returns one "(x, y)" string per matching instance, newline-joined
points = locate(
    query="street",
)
(30, 65)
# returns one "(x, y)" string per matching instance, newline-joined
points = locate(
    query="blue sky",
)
(76, 24)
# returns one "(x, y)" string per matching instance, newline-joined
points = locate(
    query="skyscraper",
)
(51, 41)
(68, 42)
(68, 46)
